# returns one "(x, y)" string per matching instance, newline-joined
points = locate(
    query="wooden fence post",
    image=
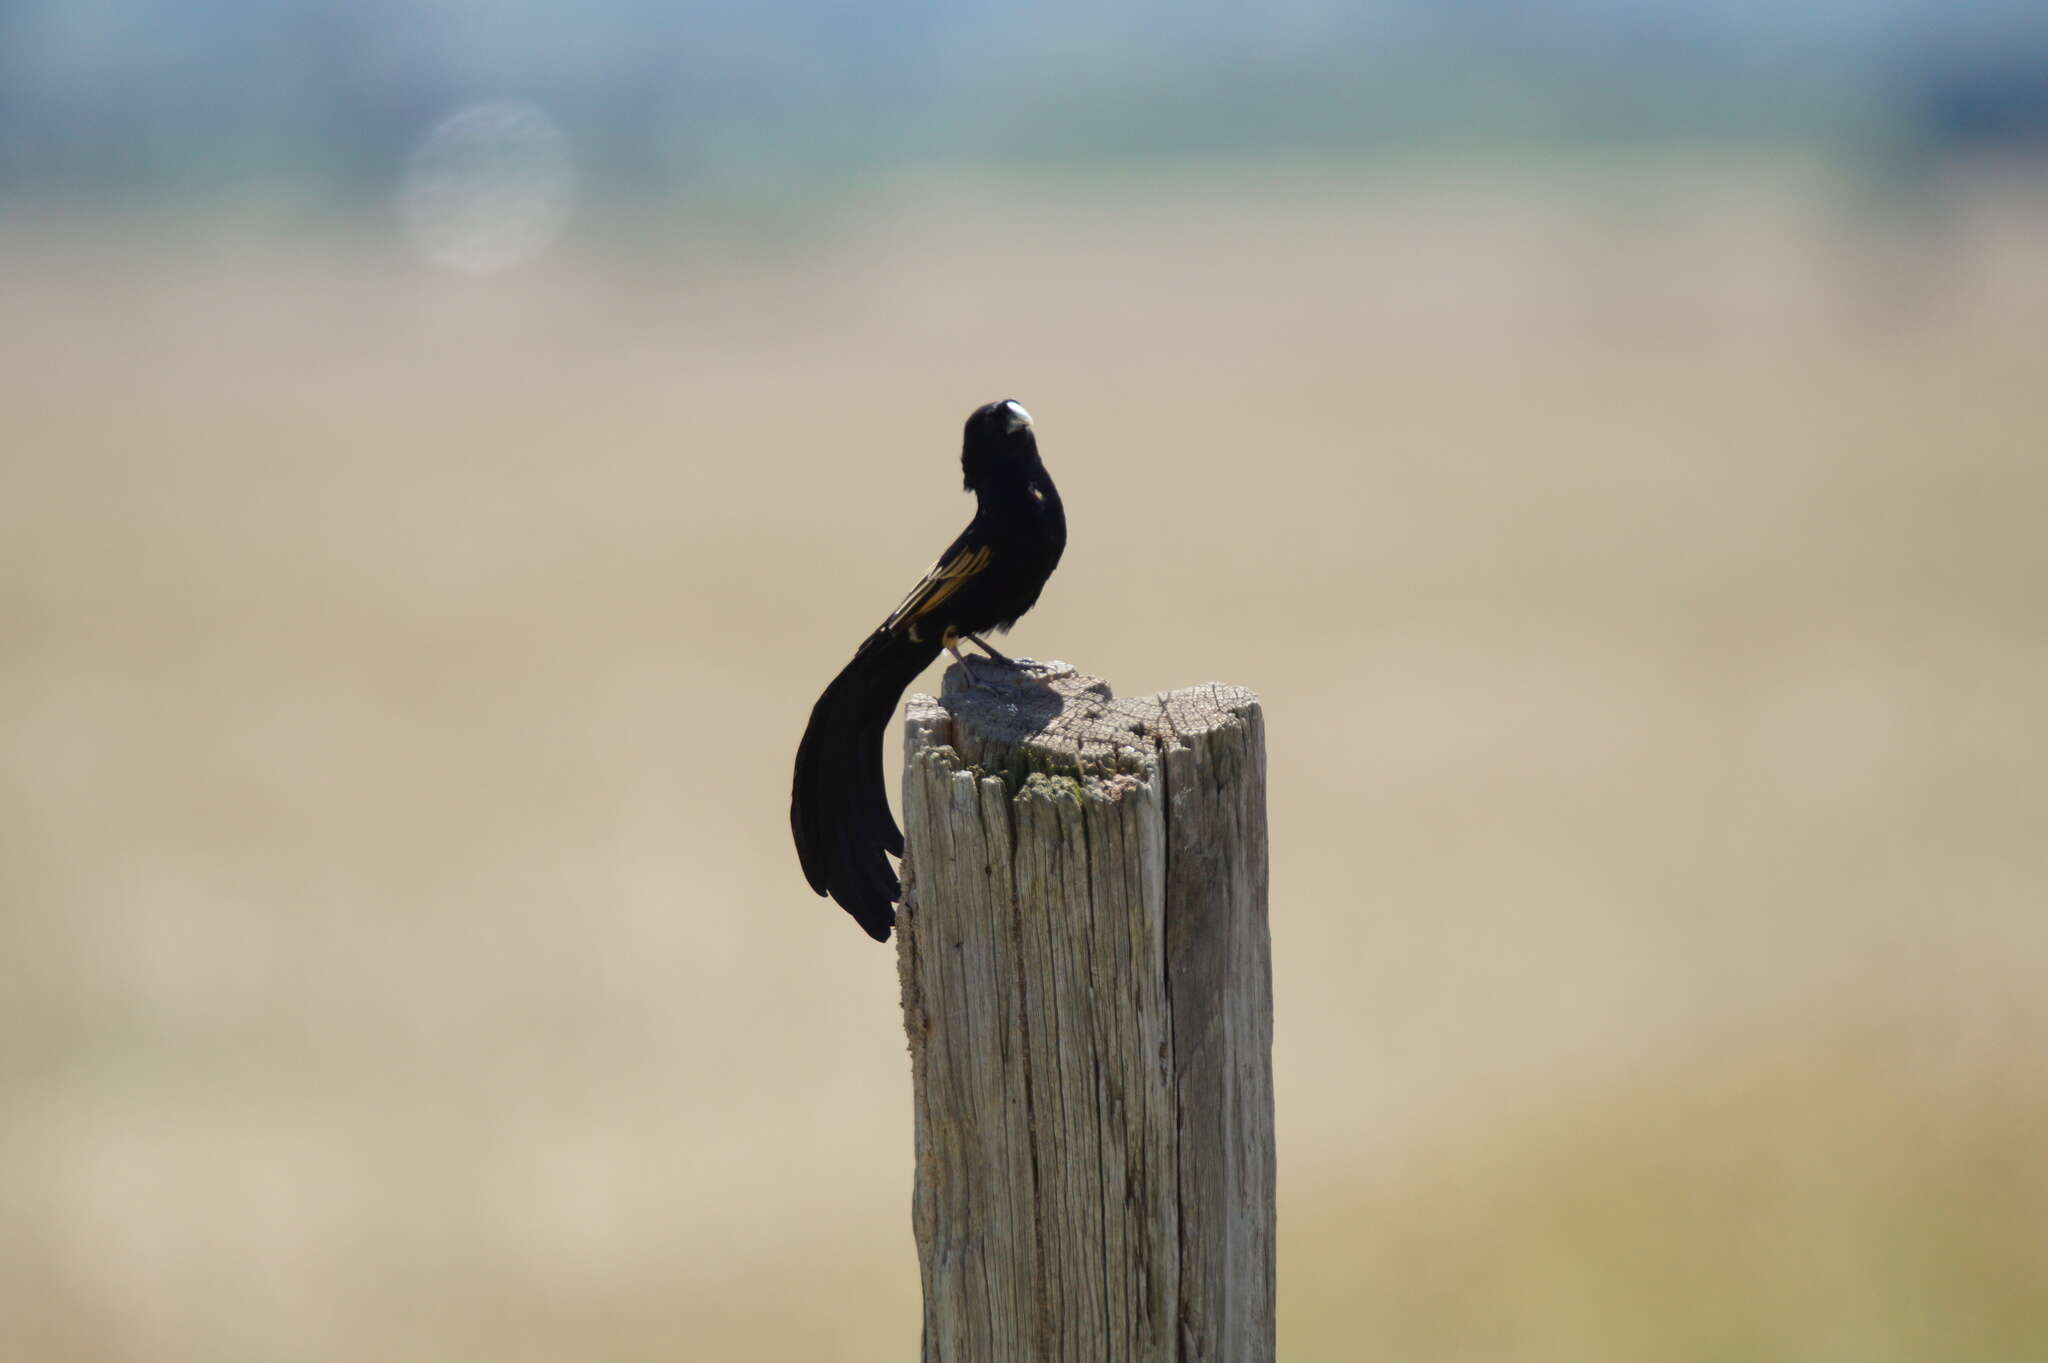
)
(1087, 986)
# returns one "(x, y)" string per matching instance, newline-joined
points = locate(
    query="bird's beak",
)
(1019, 418)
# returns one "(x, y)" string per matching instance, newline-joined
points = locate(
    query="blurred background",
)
(445, 451)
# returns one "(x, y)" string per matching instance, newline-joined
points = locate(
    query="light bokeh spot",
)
(489, 188)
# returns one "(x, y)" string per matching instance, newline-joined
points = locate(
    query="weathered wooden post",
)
(1087, 986)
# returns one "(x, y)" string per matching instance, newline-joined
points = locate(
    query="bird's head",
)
(998, 442)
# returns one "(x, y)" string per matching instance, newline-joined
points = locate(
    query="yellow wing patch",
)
(938, 586)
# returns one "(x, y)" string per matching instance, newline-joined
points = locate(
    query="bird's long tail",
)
(838, 804)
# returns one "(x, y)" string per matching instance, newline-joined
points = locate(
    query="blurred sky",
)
(307, 105)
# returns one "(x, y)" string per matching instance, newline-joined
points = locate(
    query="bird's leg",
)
(952, 642)
(983, 645)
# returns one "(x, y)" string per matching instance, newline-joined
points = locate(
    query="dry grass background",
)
(404, 959)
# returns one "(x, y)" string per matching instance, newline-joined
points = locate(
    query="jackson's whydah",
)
(838, 807)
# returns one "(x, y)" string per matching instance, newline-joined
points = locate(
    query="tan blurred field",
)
(404, 958)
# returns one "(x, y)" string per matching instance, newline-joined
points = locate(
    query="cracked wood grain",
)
(1087, 990)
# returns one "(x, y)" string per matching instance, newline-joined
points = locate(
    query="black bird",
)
(990, 575)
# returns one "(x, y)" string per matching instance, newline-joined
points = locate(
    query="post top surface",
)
(1055, 716)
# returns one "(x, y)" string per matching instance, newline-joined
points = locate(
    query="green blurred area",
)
(307, 110)
(1640, 558)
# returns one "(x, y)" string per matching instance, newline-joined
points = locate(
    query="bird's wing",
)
(946, 577)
